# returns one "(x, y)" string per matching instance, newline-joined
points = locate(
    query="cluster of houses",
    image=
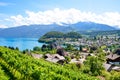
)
(112, 62)
(56, 58)
(98, 42)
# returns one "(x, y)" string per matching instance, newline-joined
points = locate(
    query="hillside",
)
(39, 30)
(17, 66)
(102, 33)
(51, 36)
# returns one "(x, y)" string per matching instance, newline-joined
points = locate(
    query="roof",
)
(107, 66)
(77, 61)
(110, 67)
(48, 55)
(38, 56)
(58, 56)
(52, 60)
(116, 68)
(113, 56)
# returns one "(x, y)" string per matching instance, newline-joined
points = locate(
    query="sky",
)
(27, 12)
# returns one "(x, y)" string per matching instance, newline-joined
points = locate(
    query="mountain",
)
(39, 30)
(26, 31)
(31, 31)
(91, 26)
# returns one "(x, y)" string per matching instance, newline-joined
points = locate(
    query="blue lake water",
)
(21, 43)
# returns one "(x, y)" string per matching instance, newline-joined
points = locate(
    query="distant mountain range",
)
(39, 30)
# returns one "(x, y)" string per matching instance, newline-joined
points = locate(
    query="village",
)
(78, 50)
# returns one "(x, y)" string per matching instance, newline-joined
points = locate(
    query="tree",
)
(80, 48)
(72, 35)
(94, 65)
(36, 48)
(61, 52)
(53, 34)
(17, 48)
(44, 47)
(69, 47)
(68, 59)
(93, 48)
(115, 75)
(117, 51)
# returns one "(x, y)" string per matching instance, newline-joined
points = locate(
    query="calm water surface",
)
(21, 43)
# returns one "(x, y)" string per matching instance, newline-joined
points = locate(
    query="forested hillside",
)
(51, 36)
(102, 33)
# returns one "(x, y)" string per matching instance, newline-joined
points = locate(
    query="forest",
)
(51, 36)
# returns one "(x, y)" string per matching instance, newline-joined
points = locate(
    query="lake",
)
(21, 43)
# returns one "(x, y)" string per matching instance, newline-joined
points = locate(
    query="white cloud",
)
(3, 26)
(68, 16)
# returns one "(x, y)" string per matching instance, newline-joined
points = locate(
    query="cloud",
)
(3, 26)
(68, 16)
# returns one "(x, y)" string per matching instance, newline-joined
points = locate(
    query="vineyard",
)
(17, 66)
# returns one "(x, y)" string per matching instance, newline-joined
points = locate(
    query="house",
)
(37, 56)
(109, 67)
(47, 56)
(116, 68)
(113, 59)
(58, 56)
(84, 55)
(85, 50)
(113, 62)
(55, 58)
(77, 61)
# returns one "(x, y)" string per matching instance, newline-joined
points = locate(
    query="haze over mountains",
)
(39, 30)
